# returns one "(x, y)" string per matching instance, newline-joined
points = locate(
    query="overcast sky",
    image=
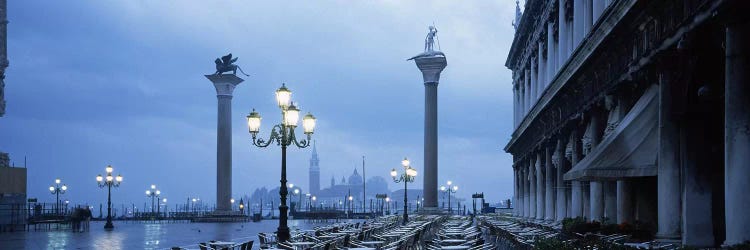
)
(92, 83)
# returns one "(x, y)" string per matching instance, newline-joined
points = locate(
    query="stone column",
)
(578, 17)
(597, 201)
(624, 202)
(597, 7)
(224, 85)
(526, 191)
(527, 93)
(668, 170)
(534, 82)
(737, 132)
(532, 188)
(562, 203)
(431, 68)
(577, 186)
(539, 188)
(542, 70)
(551, 45)
(588, 16)
(549, 194)
(610, 201)
(515, 191)
(515, 104)
(562, 34)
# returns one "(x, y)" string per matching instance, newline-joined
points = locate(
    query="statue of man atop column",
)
(429, 41)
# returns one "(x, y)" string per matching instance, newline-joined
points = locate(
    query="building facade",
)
(632, 111)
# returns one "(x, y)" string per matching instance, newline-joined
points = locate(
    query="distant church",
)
(314, 171)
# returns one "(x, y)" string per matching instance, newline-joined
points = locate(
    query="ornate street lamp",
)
(58, 189)
(283, 135)
(299, 204)
(153, 193)
(242, 207)
(450, 190)
(109, 182)
(408, 176)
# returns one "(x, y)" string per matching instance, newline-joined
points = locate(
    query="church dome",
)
(355, 178)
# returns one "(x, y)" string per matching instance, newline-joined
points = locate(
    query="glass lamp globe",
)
(158, 192)
(52, 189)
(291, 116)
(442, 188)
(64, 188)
(109, 169)
(351, 198)
(118, 178)
(148, 192)
(291, 185)
(405, 162)
(153, 186)
(164, 200)
(314, 198)
(231, 200)
(308, 123)
(455, 188)
(109, 178)
(253, 122)
(99, 178)
(283, 96)
(387, 199)
(450, 183)
(57, 181)
(394, 173)
(296, 191)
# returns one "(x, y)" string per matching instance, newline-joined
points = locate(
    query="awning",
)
(630, 150)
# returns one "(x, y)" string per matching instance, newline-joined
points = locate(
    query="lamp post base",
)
(109, 226)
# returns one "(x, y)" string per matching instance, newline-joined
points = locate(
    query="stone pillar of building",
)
(532, 188)
(737, 131)
(610, 201)
(624, 202)
(596, 201)
(668, 170)
(539, 187)
(597, 8)
(224, 85)
(577, 198)
(534, 82)
(551, 60)
(578, 17)
(549, 179)
(527, 92)
(515, 104)
(430, 67)
(586, 199)
(542, 72)
(526, 193)
(562, 34)
(561, 203)
(587, 16)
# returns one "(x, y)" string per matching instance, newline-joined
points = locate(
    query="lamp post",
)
(58, 189)
(283, 135)
(231, 206)
(153, 193)
(242, 207)
(408, 176)
(312, 204)
(309, 198)
(388, 205)
(109, 182)
(299, 204)
(351, 203)
(450, 189)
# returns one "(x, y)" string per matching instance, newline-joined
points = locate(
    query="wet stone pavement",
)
(145, 235)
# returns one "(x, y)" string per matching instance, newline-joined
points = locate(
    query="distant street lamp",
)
(58, 189)
(242, 207)
(408, 176)
(109, 182)
(388, 204)
(283, 135)
(351, 203)
(299, 203)
(450, 189)
(163, 202)
(153, 193)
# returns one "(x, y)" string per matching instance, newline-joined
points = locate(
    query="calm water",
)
(145, 236)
